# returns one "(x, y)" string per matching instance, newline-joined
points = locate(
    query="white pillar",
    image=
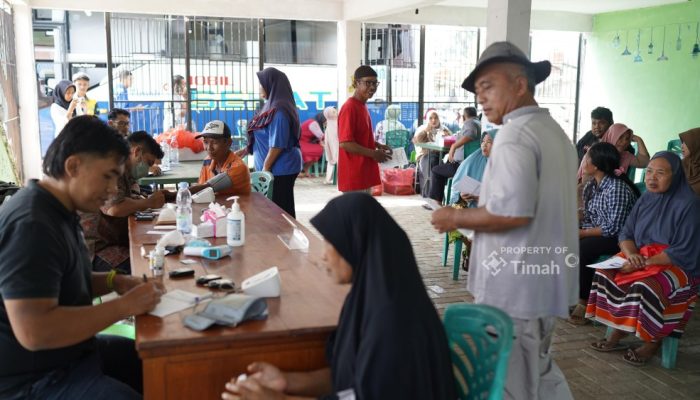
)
(349, 56)
(28, 99)
(509, 20)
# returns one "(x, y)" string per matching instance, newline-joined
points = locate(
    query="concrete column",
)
(349, 56)
(28, 99)
(509, 20)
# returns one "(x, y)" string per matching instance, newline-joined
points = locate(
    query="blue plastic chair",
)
(480, 338)
(446, 243)
(261, 182)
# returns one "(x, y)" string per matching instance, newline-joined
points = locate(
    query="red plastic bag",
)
(376, 190)
(650, 270)
(398, 181)
(185, 139)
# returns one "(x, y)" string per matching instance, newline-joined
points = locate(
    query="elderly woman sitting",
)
(659, 241)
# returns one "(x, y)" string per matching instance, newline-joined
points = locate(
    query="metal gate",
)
(176, 71)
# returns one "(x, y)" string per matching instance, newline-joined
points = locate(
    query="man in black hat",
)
(524, 255)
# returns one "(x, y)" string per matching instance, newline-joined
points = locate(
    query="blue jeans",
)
(112, 372)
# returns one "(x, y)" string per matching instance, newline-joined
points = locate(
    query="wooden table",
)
(180, 363)
(184, 171)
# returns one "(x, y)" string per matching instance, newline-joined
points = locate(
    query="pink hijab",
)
(612, 135)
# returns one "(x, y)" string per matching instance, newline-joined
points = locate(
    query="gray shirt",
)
(472, 129)
(531, 271)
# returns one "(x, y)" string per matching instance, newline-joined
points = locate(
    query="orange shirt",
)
(236, 170)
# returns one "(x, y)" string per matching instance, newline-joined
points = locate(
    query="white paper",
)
(437, 289)
(157, 232)
(467, 233)
(175, 301)
(398, 159)
(468, 185)
(165, 227)
(611, 263)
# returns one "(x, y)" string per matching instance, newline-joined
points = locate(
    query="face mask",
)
(139, 170)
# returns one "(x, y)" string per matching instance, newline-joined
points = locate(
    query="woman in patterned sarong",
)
(664, 225)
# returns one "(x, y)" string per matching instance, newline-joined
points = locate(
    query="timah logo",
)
(494, 263)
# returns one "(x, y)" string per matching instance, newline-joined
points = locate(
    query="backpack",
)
(7, 189)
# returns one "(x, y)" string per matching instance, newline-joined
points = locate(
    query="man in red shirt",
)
(359, 155)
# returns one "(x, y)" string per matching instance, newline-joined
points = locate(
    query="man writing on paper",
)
(359, 153)
(48, 324)
(526, 219)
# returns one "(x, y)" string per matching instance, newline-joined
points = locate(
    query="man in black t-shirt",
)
(601, 119)
(47, 321)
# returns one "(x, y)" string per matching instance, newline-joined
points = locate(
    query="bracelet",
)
(110, 279)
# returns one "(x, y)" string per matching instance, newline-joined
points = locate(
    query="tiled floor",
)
(591, 375)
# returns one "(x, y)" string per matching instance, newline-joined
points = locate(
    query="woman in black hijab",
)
(62, 98)
(390, 343)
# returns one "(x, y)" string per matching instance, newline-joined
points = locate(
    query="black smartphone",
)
(145, 217)
(204, 279)
(181, 272)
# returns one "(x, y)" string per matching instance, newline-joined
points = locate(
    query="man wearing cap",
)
(222, 170)
(359, 154)
(524, 256)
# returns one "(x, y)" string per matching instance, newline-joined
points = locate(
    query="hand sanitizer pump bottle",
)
(235, 225)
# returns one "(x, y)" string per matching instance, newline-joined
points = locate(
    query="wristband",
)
(110, 279)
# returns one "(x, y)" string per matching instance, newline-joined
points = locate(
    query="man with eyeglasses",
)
(119, 119)
(359, 155)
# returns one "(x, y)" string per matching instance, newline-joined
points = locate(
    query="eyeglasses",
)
(122, 123)
(370, 83)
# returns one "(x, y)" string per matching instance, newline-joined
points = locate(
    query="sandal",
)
(604, 346)
(632, 358)
(578, 316)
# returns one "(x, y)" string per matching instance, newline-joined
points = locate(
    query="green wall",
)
(657, 99)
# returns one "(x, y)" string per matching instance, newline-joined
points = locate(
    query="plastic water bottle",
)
(183, 213)
(174, 151)
(165, 162)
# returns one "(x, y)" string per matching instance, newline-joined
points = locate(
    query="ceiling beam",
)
(320, 10)
(362, 10)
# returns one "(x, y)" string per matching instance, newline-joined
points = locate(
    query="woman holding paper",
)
(608, 199)
(660, 233)
(390, 343)
(473, 167)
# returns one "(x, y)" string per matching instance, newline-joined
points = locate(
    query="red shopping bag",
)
(650, 270)
(376, 190)
(398, 181)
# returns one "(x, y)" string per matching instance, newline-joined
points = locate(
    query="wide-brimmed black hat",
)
(506, 52)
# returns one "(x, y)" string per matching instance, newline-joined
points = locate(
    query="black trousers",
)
(591, 248)
(283, 193)
(438, 179)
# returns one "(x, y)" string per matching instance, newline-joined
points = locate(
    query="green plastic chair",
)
(446, 243)
(261, 182)
(674, 146)
(319, 167)
(480, 338)
(471, 147)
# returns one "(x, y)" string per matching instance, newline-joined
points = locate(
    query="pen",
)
(199, 299)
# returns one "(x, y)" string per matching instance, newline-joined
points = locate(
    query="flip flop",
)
(632, 358)
(600, 346)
